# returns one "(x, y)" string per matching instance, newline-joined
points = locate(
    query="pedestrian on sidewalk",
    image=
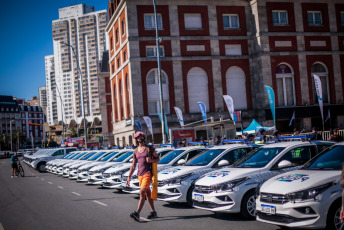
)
(315, 135)
(145, 156)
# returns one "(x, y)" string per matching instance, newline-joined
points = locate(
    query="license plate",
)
(89, 177)
(268, 209)
(104, 180)
(198, 197)
(124, 183)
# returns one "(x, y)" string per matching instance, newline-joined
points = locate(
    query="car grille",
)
(107, 175)
(282, 218)
(273, 198)
(208, 204)
(125, 178)
(203, 189)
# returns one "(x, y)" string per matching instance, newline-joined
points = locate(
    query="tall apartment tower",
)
(42, 96)
(51, 90)
(82, 28)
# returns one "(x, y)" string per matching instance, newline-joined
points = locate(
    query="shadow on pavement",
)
(166, 218)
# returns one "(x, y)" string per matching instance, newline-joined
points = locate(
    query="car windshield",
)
(95, 157)
(206, 157)
(169, 157)
(123, 157)
(258, 158)
(68, 156)
(89, 155)
(107, 157)
(81, 155)
(78, 156)
(330, 159)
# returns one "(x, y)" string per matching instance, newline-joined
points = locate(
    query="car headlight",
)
(229, 185)
(177, 180)
(308, 194)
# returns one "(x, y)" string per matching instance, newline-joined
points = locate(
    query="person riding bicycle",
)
(14, 160)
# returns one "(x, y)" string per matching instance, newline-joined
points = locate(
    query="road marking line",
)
(95, 201)
(42, 179)
(76, 193)
(50, 182)
(60, 187)
(1, 227)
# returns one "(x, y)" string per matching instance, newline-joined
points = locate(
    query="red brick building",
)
(214, 48)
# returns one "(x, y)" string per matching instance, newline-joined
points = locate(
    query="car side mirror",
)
(284, 164)
(223, 163)
(181, 162)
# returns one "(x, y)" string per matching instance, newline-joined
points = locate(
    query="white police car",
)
(233, 189)
(51, 164)
(177, 157)
(95, 174)
(306, 198)
(82, 158)
(83, 170)
(92, 160)
(58, 168)
(113, 176)
(177, 183)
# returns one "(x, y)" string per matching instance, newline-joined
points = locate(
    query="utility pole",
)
(11, 134)
(159, 75)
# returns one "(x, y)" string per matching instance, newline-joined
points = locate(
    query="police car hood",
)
(89, 165)
(69, 164)
(104, 165)
(226, 174)
(299, 180)
(160, 168)
(178, 171)
(118, 167)
(78, 164)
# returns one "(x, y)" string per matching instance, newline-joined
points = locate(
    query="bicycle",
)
(20, 170)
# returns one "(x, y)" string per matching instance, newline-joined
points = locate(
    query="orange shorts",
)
(145, 180)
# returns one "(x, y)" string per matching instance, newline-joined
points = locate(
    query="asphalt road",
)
(45, 201)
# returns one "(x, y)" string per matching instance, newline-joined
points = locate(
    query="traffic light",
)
(29, 122)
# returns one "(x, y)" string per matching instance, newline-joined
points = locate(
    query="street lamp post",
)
(11, 133)
(159, 75)
(82, 90)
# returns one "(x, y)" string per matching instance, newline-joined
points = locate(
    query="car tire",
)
(189, 195)
(332, 220)
(41, 167)
(248, 205)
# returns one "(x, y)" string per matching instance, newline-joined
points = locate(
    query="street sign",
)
(70, 139)
(62, 142)
(70, 144)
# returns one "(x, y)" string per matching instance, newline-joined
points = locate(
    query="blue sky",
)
(25, 39)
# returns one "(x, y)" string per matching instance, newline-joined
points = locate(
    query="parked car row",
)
(288, 183)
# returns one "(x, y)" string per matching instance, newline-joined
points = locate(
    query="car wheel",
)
(333, 221)
(41, 167)
(248, 206)
(189, 195)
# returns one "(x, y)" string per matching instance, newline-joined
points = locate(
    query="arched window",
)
(123, 141)
(285, 85)
(321, 70)
(121, 100)
(115, 102)
(127, 94)
(131, 140)
(153, 93)
(197, 80)
(118, 144)
(236, 87)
